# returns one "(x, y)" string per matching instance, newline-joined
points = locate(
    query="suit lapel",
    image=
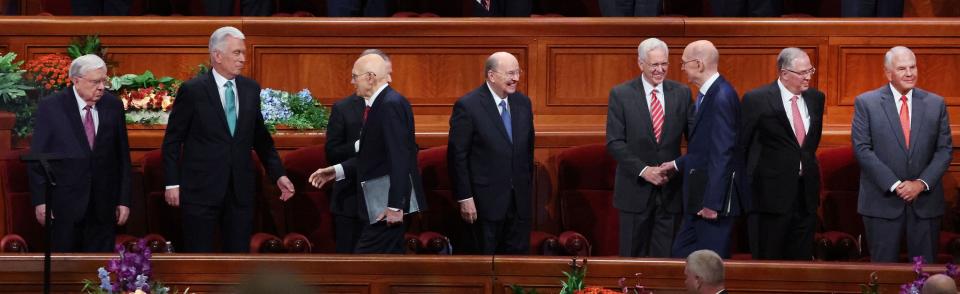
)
(488, 105)
(245, 100)
(73, 115)
(213, 97)
(893, 117)
(639, 103)
(776, 103)
(372, 117)
(917, 116)
(712, 91)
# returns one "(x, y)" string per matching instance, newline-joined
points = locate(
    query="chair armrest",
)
(13, 243)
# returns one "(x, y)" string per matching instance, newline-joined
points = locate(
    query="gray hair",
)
(489, 65)
(787, 56)
(220, 35)
(707, 265)
(649, 45)
(84, 64)
(377, 52)
(888, 58)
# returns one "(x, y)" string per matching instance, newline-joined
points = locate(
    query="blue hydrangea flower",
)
(104, 279)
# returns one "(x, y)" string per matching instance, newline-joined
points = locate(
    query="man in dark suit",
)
(646, 121)
(343, 130)
(490, 158)
(871, 8)
(710, 201)
(386, 148)
(367, 8)
(781, 130)
(85, 123)
(507, 8)
(704, 273)
(630, 7)
(901, 137)
(214, 124)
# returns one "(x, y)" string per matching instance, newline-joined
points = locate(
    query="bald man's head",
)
(503, 73)
(939, 284)
(700, 60)
(369, 73)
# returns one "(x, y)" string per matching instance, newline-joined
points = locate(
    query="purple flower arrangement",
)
(130, 272)
(915, 286)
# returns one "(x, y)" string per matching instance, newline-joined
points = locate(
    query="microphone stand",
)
(44, 159)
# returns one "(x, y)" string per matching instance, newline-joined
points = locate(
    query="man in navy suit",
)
(710, 201)
(214, 124)
(386, 147)
(87, 124)
(343, 130)
(490, 158)
(901, 137)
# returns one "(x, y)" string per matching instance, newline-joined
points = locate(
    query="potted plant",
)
(13, 95)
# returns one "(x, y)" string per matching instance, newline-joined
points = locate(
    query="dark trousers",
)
(649, 233)
(742, 8)
(247, 7)
(379, 238)
(507, 8)
(784, 236)
(200, 223)
(884, 235)
(346, 230)
(871, 8)
(508, 236)
(369, 8)
(100, 7)
(88, 234)
(630, 7)
(698, 233)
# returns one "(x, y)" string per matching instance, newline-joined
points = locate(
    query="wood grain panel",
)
(862, 70)
(750, 68)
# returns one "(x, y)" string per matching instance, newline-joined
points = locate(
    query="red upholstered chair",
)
(297, 243)
(266, 243)
(585, 176)
(18, 210)
(13, 243)
(840, 222)
(308, 212)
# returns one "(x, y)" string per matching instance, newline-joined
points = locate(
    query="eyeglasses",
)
(684, 63)
(355, 76)
(810, 71)
(104, 81)
(510, 74)
(660, 65)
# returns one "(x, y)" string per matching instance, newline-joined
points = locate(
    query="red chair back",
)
(585, 176)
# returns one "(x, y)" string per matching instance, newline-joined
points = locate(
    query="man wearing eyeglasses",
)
(490, 158)
(781, 127)
(901, 137)
(85, 123)
(646, 121)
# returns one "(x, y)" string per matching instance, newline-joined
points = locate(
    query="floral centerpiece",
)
(129, 273)
(914, 287)
(146, 99)
(575, 283)
(294, 110)
(49, 72)
(13, 94)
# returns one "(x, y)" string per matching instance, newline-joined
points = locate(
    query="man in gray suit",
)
(901, 137)
(646, 120)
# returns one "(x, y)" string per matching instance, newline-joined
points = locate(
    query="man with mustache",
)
(901, 138)
(782, 122)
(490, 158)
(646, 121)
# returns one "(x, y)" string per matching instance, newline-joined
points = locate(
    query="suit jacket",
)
(710, 161)
(767, 137)
(482, 161)
(102, 173)
(343, 129)
(201, 156)
(631, 141)
(388, 147)
(878, 143)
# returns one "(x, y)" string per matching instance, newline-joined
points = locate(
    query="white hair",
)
(888, 58)
(649, 45)
(84, 64)
(220, 35)
(707, 265)
(788, 56)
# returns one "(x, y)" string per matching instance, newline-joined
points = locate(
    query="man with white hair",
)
(901, 138)
(704, 273)
(85, 123)
(214, 124)
(646, 121)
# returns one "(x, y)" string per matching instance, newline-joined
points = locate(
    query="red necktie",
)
(486, 4)
(656, 114)
(905, 120)
(88, 126)
(798, 129)
(366, 110)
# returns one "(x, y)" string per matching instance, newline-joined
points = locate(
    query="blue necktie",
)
(505, 117)
(229, 106)
(699, 101)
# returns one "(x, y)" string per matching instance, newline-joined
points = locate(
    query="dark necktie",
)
(696, 108)
(505, 117)
(366, 110)
(88, 127)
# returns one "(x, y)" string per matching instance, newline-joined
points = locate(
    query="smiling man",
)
(646, 121)
(901, 137)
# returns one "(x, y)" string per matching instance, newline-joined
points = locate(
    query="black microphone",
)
(44, 159)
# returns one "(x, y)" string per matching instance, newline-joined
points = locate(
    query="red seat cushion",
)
(308, 212)
(585, 189)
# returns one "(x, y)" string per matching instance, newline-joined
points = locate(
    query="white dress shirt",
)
(93, 111)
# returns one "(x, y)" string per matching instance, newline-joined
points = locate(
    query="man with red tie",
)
(646, 121)
(781, 127)
(901, 137)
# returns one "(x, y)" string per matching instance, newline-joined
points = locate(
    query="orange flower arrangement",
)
(50, 72)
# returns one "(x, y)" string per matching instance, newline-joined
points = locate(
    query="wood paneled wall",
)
(447, 274)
